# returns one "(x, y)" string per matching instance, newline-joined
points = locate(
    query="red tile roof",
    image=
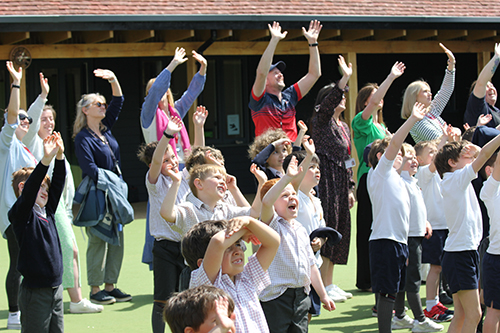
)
(436, 8)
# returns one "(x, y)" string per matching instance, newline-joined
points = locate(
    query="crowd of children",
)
(424, 210)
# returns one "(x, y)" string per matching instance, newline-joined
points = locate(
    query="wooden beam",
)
(192, 68)
(247, 35)
(480, 34)
(207, 34)
(388, 34)
(451, 34)
(134, 36)
(357, 34)
(224, 33)
(330, 33)
(7, 38)
(54, 37)
(91, 37)
(294, 33)
(421, 34)
(160, 49)
(482, 59)
(176, 35)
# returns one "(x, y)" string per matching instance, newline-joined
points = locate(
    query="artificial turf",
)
(354, 315)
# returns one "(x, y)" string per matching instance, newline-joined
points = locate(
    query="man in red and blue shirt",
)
(273, 107)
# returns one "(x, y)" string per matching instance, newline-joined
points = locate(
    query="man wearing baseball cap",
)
(273, 107)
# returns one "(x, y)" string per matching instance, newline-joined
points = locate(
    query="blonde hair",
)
(408, 148)
(410, 97)
(81, 118)
(420, 146)
(265, 139)
(202, 172)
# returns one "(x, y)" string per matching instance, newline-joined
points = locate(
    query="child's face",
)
(233, 260)
(427, 155)
(287, 204)
(169, 159)
(463, 160)
(312, 176)
(275, 161)
(215, 183)
(43, 195)
(411, 163)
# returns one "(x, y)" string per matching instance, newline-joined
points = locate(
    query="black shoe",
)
(119, 295)
(102, 297)
(445, 299)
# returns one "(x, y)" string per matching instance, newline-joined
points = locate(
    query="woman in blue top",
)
(95, 148)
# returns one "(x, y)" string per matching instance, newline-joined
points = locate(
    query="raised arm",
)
(167, 209)
(302, 131)
(396, 71)
(183, 104)
(306, 162)
(35, 112)
(346, 72)
(108, 75)
(267, 57)
(199, 118)
(485, 153)
(14, 100)
(314, 73)
(275, 191)
(487, 73)
(173, 127)
(202, 61)
(398, 138)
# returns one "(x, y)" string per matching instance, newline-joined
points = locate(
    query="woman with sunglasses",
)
(42, 123)
(335, 189)
(13, 156)
(96, 148)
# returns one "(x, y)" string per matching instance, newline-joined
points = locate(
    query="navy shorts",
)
(461, 270)
(413, 276)
(388, 265)
(315, 308)
(432, 248)
(491, 276)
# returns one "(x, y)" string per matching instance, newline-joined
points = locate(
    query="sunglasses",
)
(99, 104)
(22, 116)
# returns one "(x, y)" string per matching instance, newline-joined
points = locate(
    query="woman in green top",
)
(368, 126)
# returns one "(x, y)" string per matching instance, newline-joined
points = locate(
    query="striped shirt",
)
(429, 128)
(291, 267)
(245, 291)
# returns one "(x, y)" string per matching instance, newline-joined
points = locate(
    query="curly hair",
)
(265, 139)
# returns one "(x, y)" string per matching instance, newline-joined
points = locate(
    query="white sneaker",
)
(334, 295)
(405, 322)
(14, 321)
(426, 326)
(341, 292)
(84, 306)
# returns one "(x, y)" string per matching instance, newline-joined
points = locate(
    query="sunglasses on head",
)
(99, 104)
(22, 116)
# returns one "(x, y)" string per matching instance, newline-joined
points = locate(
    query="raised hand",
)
(180, 55)
(198, 57)
(236, 224)
(174, 126)
(483, 119)
(258, 173)
(50, 146)
(200, 116)
(212, 160)
(105, 74)
(225, 323)
(293, 168)
(470, 151)
(302, 126)
(281, 142)
(44, 84)
(346, 70)
(313, 33)
(419, 111)
(451, 57)
(308, 145)
(60, 145)
(231, 182)
(174, 173)
(466, 126)
(16, 75)
(497, 49)
(275, 31)
(397, 70)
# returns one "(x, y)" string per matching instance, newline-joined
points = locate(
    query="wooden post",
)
(350, 110)
(191, 71)
(482, 59)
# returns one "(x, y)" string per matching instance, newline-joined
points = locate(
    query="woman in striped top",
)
(429, 128)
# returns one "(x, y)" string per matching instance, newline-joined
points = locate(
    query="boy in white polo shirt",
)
(458, 164)
(391, 213)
